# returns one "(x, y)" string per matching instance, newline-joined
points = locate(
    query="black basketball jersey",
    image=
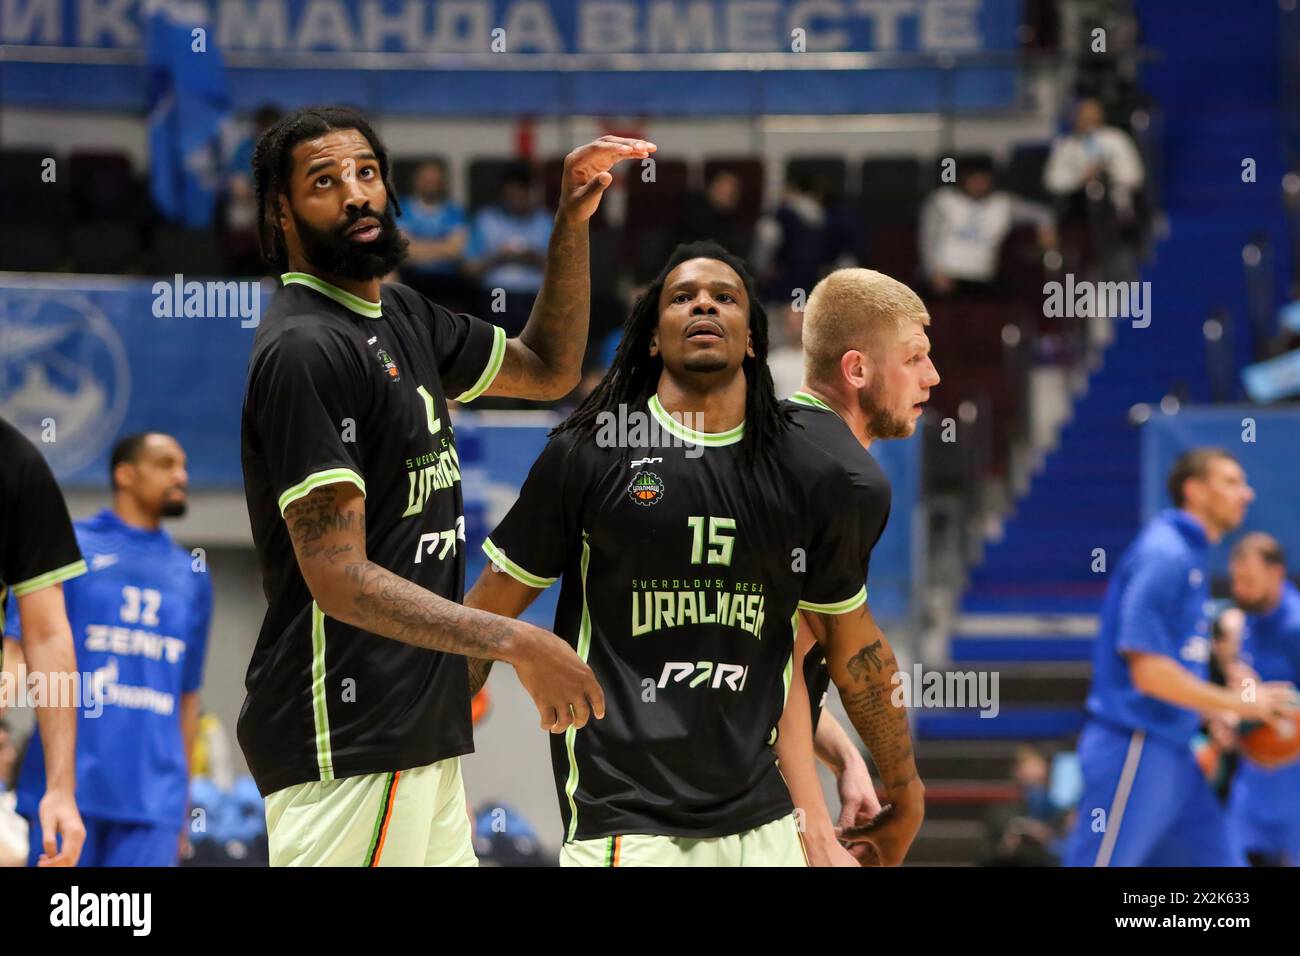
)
(38, 548)
(344, 390)
(870, 507)
(683, 567)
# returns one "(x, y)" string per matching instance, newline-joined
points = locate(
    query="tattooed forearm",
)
(327, 527)
(866, 661)
(384, 603)
(865, 679)
(478, 673)
(557, 328)
(883, 728)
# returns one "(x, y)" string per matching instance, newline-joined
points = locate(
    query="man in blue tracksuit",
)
(140, 624)
(1264, 810)
(1145, 801)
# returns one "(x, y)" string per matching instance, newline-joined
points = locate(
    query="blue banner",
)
(1263, 440)
(544, 57)
(85, 360)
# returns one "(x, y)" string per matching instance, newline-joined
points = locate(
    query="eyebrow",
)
(326, 162)
(725, 284)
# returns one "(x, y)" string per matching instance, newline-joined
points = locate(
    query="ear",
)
(118, 479)
(749, 344)
(285, 213)
(856, 369)
(654, 344)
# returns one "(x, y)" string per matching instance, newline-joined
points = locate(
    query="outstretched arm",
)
(545, 361)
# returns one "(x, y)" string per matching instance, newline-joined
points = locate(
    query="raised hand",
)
(587, 173)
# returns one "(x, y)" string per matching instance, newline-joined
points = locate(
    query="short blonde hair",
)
(854, 309)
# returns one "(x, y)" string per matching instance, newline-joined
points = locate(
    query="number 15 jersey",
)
(683, 569)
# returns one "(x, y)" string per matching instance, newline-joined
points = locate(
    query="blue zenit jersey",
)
(1267, 801)
(1158, 602)
(140, 626)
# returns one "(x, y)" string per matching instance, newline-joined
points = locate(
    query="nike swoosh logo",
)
(100, 561)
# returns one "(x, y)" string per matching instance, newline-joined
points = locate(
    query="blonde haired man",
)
(867, 374)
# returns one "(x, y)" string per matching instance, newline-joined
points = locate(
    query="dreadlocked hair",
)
(633, 376)
(273, 158)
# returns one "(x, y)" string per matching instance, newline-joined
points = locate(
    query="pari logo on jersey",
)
(706, 674)
(646, 488)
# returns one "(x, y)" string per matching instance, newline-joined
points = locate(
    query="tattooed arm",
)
(862, 665)
(545, 361)
(328, 530)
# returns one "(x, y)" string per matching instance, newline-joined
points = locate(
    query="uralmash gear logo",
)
(390, 367)
(646, 489)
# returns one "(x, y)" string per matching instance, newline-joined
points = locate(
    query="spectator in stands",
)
(439, 232)
(1022, 833)
(791, 246)
(237, 216)
(963, 228)
(1094, 153)
(717, 215)
(13, 828)
(1095, 173)
(508, 250)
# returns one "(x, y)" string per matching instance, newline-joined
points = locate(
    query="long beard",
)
(332, 252)
(881, 422)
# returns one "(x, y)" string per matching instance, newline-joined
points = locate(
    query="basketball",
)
(1272, 745)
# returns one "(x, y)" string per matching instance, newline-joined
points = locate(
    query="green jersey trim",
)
(787, 675)
(319, 709)
(73, 570)
(571, 735)
(498, 558)
(490, 370)
(362, 307)
(839, 607)
(312, 482)
(803, 398)
(677, 429)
